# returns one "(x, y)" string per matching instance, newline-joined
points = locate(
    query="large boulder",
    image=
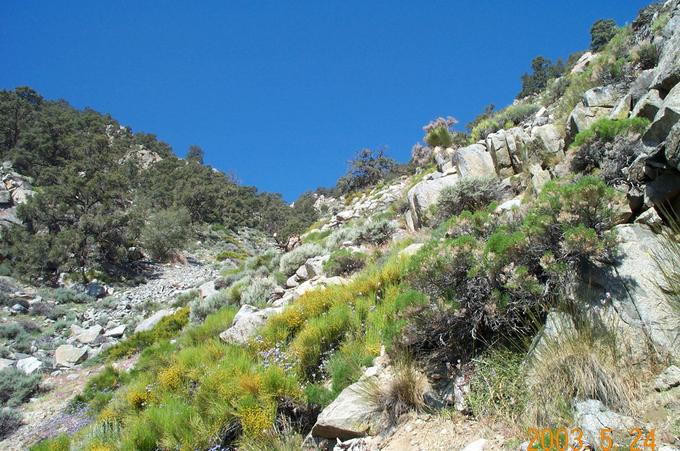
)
(89, 335)
(426, 193)
(629, 293)
(582, 63)
(641, 85)
(549, 138)
(648, 105)
(154, 319)
(474, 161)
(672, 147)
(29, 365)
(581, 118)
(667, 72)
(69, 355)
(246, 323)
(504, 148)
(207, 289)
(5, 196)
(602, 96)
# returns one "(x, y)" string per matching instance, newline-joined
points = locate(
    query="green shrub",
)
(508, 117)
(376, 232)
(231, 255)
(99, 389)
(200, 308)
(166, 232)
(291, 261)
(10, 330)
(347, 234)
(10, 421)
(606, 129)
(258, 291)
(470, 193)
(367, 169)
(647, 56)
(660, 22)
(343, 262)
(602, 31)
(16, 387)
(69, 296)
(439, 136)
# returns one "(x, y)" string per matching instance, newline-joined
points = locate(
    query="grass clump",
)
(167, 328)
(10, 421)
(376, 232)
(605, 129)
(506, 118)
(291, 261)
(99, 390)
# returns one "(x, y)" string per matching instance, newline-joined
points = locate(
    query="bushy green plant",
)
(367, 169)
(602, 31)
(343, 262)
(258, 291)
(10, 330)
(606, 129)
(647, 56)
(69, 296)
(166, 232)
(10, 421)
(99, 390)
(470, 193)
(376, 232)
(200, 308)
(17, 387)
(291, 261)
(510, 116)
(347, 234)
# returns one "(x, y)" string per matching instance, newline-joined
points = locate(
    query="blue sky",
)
(283, 93)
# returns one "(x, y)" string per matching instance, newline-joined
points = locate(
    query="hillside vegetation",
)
(521, 275)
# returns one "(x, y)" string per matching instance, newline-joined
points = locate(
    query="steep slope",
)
(523, 277)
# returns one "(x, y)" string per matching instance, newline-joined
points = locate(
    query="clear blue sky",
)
(283, 93)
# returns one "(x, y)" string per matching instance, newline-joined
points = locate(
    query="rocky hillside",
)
(521, 276)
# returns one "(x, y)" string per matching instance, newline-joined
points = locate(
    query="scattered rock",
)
(29, 365)
(246, 323)
(668, 379)
(116, 332)
(582, 63)
(591, 416)
(95, 290)
(6, 363)
(69, 355)
(89, 335)
(477, 445)
(411, 249)
(474, 161)
(648, 105)
(602, 96)
(426, 193)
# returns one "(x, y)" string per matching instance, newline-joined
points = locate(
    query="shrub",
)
(505, 118)
(542, 71)
(10, 330)
(166, 232)
(376, 232)
(660, 22)
(470, 193)
(291, 261)
(367, 169)
(259, 290)
(10, 421)
(346, 234)
(611, 158)
(647, 56)
(17, 387)
(602, 31)
(343, 262)
(70, 296)
(99, 389)
(605, 129)
(200, 308)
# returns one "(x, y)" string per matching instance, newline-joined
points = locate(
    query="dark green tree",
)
(195, 153)
(601, 33)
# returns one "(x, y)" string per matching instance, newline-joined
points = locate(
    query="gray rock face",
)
(634, 304)
(668, 68)
(29, 365)
(474, 161)
(602, 96)
(668, 379)
(549, 138)
(411, 249)
(591, 416)
(425, 193)
(69, 355)
(664, 120)
(622, 108)
(154, 319)
(582, 63)
(246, 323)
(504, 148)
(581, 118)
(539, 177)
(648, 105)
(641, 85)
(672, 147)
(5, 196)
